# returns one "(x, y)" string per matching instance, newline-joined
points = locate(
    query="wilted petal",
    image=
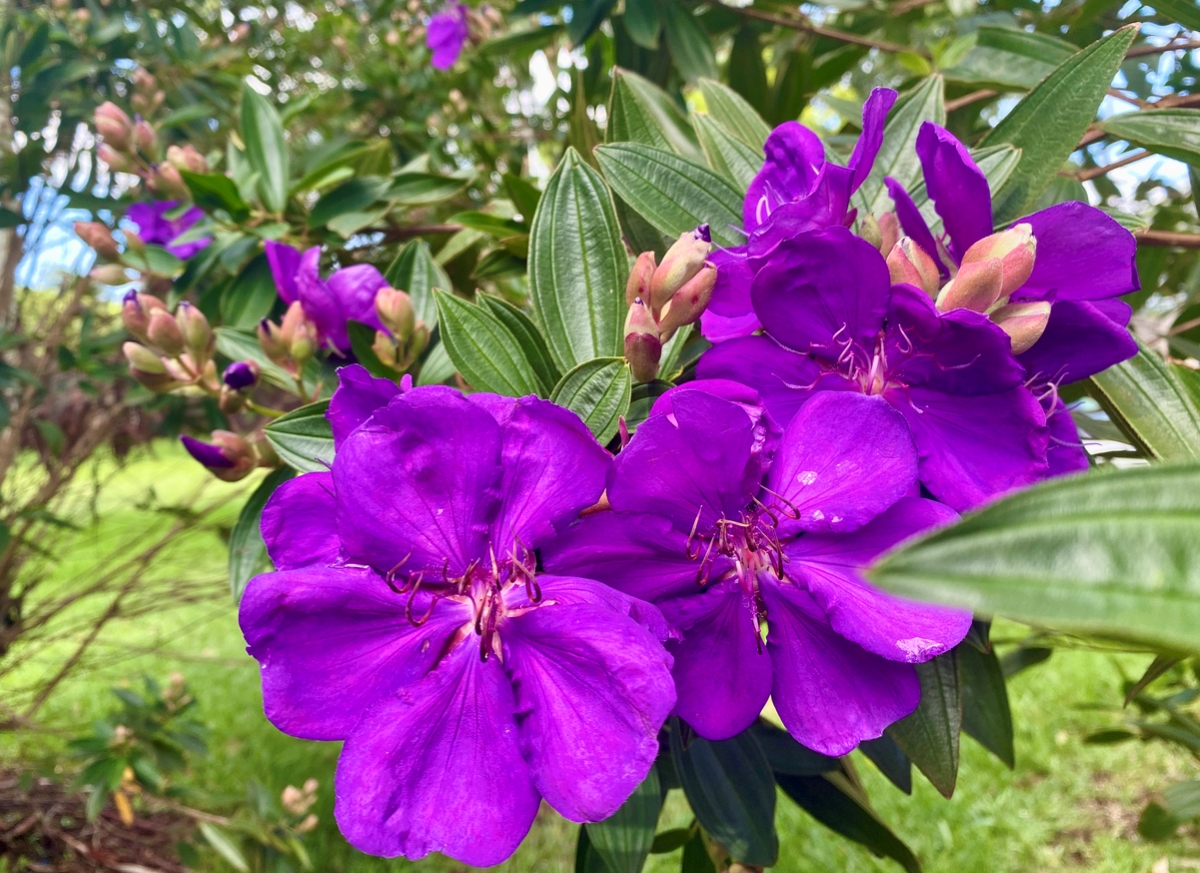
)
(438, 768)
(1081, 339)
(958, 188)
(299, 523)
(1082, 254)
(355, 400)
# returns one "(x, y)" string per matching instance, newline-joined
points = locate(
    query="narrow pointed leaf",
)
(640, 111)
(690, 46)
(483, 349)
(885, 754)
(530, 339)
(737, 115)
(986, 715)
(598, 391)
(930, 735)
(1005, 57)
(1171, 132)
(1160, 665)
(726, 154)
(247, 552)
(266, 148)
(587, 859)
(415, 272)
(785, 755)
(1151, 406)
(624, 839)
(303, 438)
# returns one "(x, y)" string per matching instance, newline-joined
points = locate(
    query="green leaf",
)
(624, 839)
(1171, 132)
(673, 194)
(249, 297)
(578, 266)
(1184, 12)
(247, 552)
(1048, 123)
(1008, 58)
(527, 335)
(985, 712)
(726, 154)
(266, 149)
(666, 842)
(837, 803)
(350, 197)
(523, 194)
(737, 115)
(303, 438)
(1110, 553)
(598, 391)
(640, 111)
(1022, 658)
(214, 191)
(695, 856)
(224, 846)
(690, 47)
(362, 343)
(785, 755)
(437, 367)
(423, 189)
(153, 259)
(416, 272)
(930, 735)
(587, 859)
(492, 225)
(1160, 665)
(642, 22)
(1151, 406)
(483, 349)
(732, 792)
(588, 16)
(891, 761)
(898, 155)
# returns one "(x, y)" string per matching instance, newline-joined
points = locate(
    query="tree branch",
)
(968, 99)
(1142, 50)
(806, 26)
(1167, 238)
(1093, 172)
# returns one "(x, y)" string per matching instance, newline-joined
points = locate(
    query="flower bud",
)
(134, 242)
(270, 339)
(187, 158)
(310, 823)
(241, 375)
(911, 264)
(135, 313)
(682, 261)
(109, 274)
(164, 332)
(143, 80)
(388, 350)
(141, 358)
(889, 231)
(643, 349)
(638, 284)
(868, 229)
(116, 161)
(976, 287)
(145, 138)
(688, 303)
(197, 335)
(395, 310)
(228, 457)
(99, 237)
(114, 125)
(1023, 322)
(1016, 249)
(167, 182)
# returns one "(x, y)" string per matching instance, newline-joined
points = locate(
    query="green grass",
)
(1066, 806)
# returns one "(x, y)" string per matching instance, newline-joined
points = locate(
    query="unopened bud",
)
(167, 182)
(910, 264)
(270, 339)
(688, 303)
(187, 158)
(868, 229)
(143, 80)
(114, 125)
(228, 457)
(99, 237)
(643, 349)
(889, 231)
(135, 313)
(1023, 322)
(682, 261)
(163, 332)
(1015, 248)
(134, 242)
(197, 334)
(141, 358)
(395, 310)
(310, 823)
(388, 351)
(976, 287)
(145, 137)
(116, 161)
(638, 284)
(241, 375)
(109, 274)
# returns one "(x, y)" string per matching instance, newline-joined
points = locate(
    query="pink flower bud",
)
(99, 237)
(116, 161)
(682, 261)
(141, 358)
(688, 303)
(187, 158)
(638, 284)
(909, 263)
(167, 182)
(889, 231)
(976, 287)
(270, 339)
(145, 138)
(135, 313)
(643, 349)
(109, 274)
(229, 457)
(164, 333)
(395, 310)
(1023, 322)
(114, 125)
(143, 80)
(197, 335)
(1015, 248)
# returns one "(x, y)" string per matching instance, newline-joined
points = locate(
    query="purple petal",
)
(299, 523)
(1082, 254)
(843, 459)
(794, 158)
(211, 456)
(912, 222)
(722, 672)
(975, 448)
(717, 328)
(957, 187)
(418, 483)
(331, 643)
(766, 431)
(1082, 339)
(874, 117)
(438, 768)
(445, 36)
(285, 266)
(830, 693)
(731, 293)
(1066, 453)
(239, 375)
(355, 289)
(592, 690)
(320, 304)
(576, 590)
(356, 398)
(822, 291)
(828, 566)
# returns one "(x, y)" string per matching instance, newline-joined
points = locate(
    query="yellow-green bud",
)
(976, 287)
(682, 261)
(1015, 248)
(1023, 322)
(909, 263)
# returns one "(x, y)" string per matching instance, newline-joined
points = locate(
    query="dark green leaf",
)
(578, 266)
(247, 552)
(1171, 132)
(588, 16)
(985, 711)
(1109, 738)
(885, 754)
(214, 191)
(690, 47)
(348, 198)
(624, 839)
(641, 21)
(1160, 665)
(483, 349)
(362, 343)
(668, 841)
(587, 859)
(523, 194)
(930, 735)
(224, 846)
(733, 111)
(785, 755)
(1156, 823)
(1184, 12)
(266, 149)
(249, 297)
(695, 856)
(492, 225)
(898, 155)
(416, 272)
(726, 154)
(303, 438)
(598, 391)
(530, 339)
(1148, 403)
(422, 189)
(1022, 658)
(640, 111)
(1005, 57)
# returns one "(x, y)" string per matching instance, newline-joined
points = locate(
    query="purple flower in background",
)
(155, 228)
(834, 322)
(723, 523)
(408, 618)
(241, 375)
(446, 34)
(797, 190)
(349, 293)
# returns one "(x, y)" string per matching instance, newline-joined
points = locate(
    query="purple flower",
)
(155, 228)
(446, 35)
(723, 523)
(241, 375)
(797, 190)
(349, 293)
(408, 618)
(833, 321)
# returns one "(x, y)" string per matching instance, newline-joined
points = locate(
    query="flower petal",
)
(866, 149)
(576, 590)
(828, 566)
(1082, 338)
(731, 293)
(830, 693)
(285, 265)
(419, 481)
(333, 642)
(794, 158)
(355, 400)
(318, 302)
(958, 188)
(843, 459)
(299, 523)
(717, 328)
(1065, 454)
(438, 768)
(1082, 254)
(355, 288)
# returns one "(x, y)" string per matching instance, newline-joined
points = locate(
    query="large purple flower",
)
(408, 618)
(349, 293)
(797, 190)
(446, 35)
(834, 321)
(723, 524)
(155, 228)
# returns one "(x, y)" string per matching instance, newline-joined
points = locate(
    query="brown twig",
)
(968, 99)
(1128, 98)
(806, 26)
(904, 6)
(1093, 172)
(408, 231)
(1141, 50)
(1167, 238)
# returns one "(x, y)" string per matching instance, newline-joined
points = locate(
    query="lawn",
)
(1067, 805)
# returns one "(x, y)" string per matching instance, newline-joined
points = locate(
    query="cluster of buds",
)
(665, 297)
(292, 343)
(988, 274)
(132, 146)
(147, 96)
(406, 336)
(298, 801)
(175, 351)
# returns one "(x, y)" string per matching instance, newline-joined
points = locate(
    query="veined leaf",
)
(483, 348)
(726, 154)
(732, 110)
(415, 272)
(898, 155)
(303, 438)
(640, 111)
(530, 340)
(623, 840)
(1150, 405)
(930, 735)
(986, 715)
(691, 48)
(1171, 132)
(266, 148)
(1006, 57)
(598, 391)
